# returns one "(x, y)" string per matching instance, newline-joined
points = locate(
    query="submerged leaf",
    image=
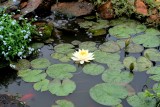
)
(108, 94)
(62, 88)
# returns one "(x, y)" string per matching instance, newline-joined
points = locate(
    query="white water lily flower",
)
(82, 56)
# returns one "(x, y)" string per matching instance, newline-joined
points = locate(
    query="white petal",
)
(81, 62)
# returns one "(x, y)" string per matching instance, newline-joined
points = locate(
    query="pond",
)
(13, 85)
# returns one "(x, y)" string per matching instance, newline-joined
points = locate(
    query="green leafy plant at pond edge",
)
(14, 32)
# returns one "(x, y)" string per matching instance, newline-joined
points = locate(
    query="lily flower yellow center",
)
(82, 56)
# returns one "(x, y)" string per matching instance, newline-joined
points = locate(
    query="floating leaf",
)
(60, 71)
(57, 55)
(156, 88)
(143, 64)
(86, 24)
(134, 48)
(61, 57)
(63, 103)
(130, 89)
(76, 42)
(121, 43)
(64, 48)
(118, 21)
(156, 73)
(97, 32)
(117, 77)
(41, 85)
(93, 69)
(62, 88)
(140, 100)
(40, 63)
(103, 57)
(32, 75)
(35, 78)
(108, 94)
(148, 39)
(152, 54)
(121, 31)
(109, 46)
(115, 65)
(88, 45)
(128, 61)
(22, 64)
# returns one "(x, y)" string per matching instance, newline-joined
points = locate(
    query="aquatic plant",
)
(63, 103)
(82, 56)
(14, 32)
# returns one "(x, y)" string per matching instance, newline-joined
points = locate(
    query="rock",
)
(106, 10)
(73, 8)
(141, 7)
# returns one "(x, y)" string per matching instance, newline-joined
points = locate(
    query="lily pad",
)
(148, 39)
(41, 85)
(61, 57)
(40, 63)
(115, 65)
(121, 43)
(109, 46)
(155, 71)
(121, 31)
(62, 88)
(60, 71)
(152, 54)
(108, 94)
(117, 77)
(22, 64)
(63, 103)
(143, 64)
(88, 45)
(32, 75)
(64, 48)
(57, 55)
(93, 69)
(130, 60)
(105, 58)
(156, 88)
(134, 48)
(86, 24)
(76, 42)
(140, 100)
(97, 32)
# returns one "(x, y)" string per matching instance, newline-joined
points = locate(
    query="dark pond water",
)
(11, 84)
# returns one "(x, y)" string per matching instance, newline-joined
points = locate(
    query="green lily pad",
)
(121, 43)
(108, 94)
(88, 45)
(105, 58)
(60, 71)
(109, 46)
(76, 42)
(140, 100)
(155, 71)
(118, 21)
(61, 57)
(134, 48)
(63, 103)
(115, 65)
(62, 88)
(152, 54)
(97, 32)
(40, 63)
(117, 76)
(149, 39)
(86, 24)
(143, 64)
(35, 78)
(64, 48)
(32, 75)
(130, 60)
(22, 64)
(57, 55)
(93, 69)
(156, 88)
(121, 31)
(41, 85)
